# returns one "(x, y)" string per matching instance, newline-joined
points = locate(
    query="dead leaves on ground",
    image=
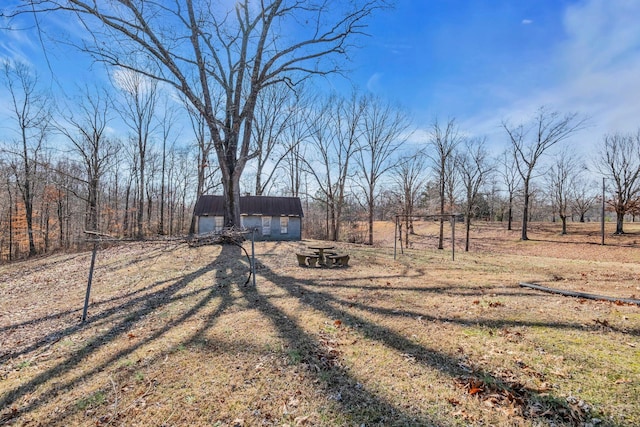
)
(491, 304)
(511, 397)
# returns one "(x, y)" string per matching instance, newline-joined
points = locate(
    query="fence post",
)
(253, 256)
(86, 298)
(395, 238)
(453, 237)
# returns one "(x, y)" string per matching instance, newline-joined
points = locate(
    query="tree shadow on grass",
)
(95, 306)
(358, 403)
(464, 291)
(132, 311)
(531, 403)
(66, 322)
(570, 242)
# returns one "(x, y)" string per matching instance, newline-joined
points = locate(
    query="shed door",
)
(266, 225)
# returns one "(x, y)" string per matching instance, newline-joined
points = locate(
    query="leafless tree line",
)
(219, 58)
(253, 126)
(65, 171)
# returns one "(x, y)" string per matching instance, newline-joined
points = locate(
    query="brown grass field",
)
(177, 337)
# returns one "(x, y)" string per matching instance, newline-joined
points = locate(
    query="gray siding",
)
(294, 231)
(252, 210)
(206, 224)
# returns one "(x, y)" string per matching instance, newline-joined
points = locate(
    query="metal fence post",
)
(86, 298)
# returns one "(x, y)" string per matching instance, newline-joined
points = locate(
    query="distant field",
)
(176, 336)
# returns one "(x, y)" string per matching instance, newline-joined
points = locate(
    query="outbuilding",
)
(274, 218)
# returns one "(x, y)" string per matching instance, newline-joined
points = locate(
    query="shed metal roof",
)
(209, 205)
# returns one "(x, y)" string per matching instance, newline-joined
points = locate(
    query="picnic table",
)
(321, 257)
(319, 249)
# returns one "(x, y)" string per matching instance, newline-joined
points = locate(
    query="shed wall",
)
(255, 221)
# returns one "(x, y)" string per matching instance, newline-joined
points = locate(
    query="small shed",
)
(274, 218)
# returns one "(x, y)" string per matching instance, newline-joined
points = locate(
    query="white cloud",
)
(418, 137)
(15, 45)
(602, 62)
(374, 84)
(527, 22)
(595, 73)
(131, 82)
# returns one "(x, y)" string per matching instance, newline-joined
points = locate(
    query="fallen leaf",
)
(453, 401)
(301, 420)
(475, 390)
(337, 323)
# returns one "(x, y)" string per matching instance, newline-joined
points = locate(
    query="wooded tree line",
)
(205, 100)
(67, 170)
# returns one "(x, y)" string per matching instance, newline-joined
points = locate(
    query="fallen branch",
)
(233, 236)
(580, 294)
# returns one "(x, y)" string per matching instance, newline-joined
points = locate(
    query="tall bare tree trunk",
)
(225, 60)
(525, 210)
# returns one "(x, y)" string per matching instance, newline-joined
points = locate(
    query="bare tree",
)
(409, 177)
(384, 129)
(139, 108)
(619, 161)
(115, 178)
(31, 114)
(334, 130)
(583, 197)
(168, 136)
(86, 131)
(207, 53)
(181, 179)
(294, 149)
(474, 169)
(276, 111)
(68, 204)
(511, 178)
(444, 141)
(6, 216)
(451, 182)
(561, 178)
(205, 148)
(529, 142)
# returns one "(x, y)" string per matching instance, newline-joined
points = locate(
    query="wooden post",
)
(453, 237)
(86, 298)
(395, 238)
(602, 213)
(253, 256)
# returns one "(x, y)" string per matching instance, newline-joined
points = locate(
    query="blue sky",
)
(444, 55)
(479, 61)
(482, 61)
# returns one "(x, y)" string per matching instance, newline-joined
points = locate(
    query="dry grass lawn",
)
(177, 337)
